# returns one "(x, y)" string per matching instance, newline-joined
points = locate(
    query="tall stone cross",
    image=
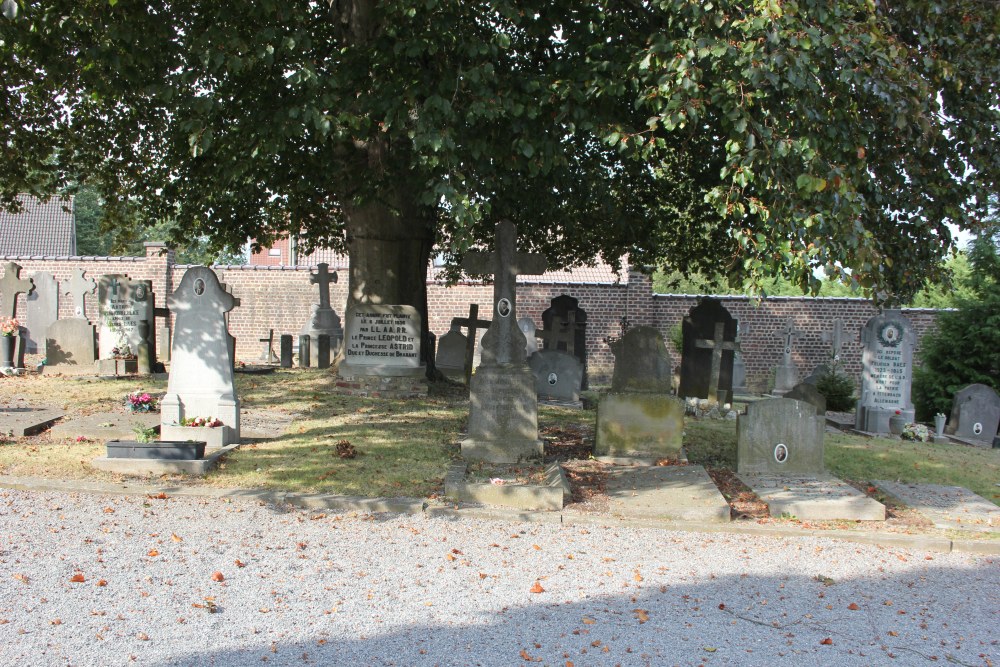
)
(473, 324)
(503, 343)
(323, 278)
(78, 288)
(717, 345)
(10, 286)
(835, 337)
(789, 332)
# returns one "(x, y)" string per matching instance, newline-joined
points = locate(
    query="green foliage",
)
(676, 336)
(753, 140)
(964, 347)
(838, 389)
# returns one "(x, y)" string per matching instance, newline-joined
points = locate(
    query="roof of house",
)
(41, 228)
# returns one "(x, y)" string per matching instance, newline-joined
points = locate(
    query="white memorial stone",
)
(382, 340)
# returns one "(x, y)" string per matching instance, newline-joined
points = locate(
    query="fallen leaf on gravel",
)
(239, 563)
(483, 575)
(153, 553)
(218, 576)
(722, 605)
(588, 621)
(853, 606)
(536, 547)
(176, 538)
(102, 582)
(449, 556)
(159, 496)
(55, 621)
(823, 579)
(537, 588)
(641, 615)
(142, 636)
(109, 510)
(21, 577)
(77, 578)
(826, 641)
(710, 649)
(893, 633)
(638, 577)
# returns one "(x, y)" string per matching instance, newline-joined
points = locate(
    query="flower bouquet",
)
(136, 402)
(9, 326)
(208, 422)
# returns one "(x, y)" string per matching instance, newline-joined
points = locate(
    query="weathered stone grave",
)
(806, 391)
(947, 507)
(975, 414)
(707, 358)
(126, 327)
(558, 375)
(201, 382)
(779, 454)
(42, 310)
(528, 328)
(450, 359)
(71, 343)
(639, 419)
(739, 364)
(887, 367)
(786, 374)
(322, 318)
(473, 325)
(503, 415)
(564, 327)
(20, 417)
(382, 352)
(11, 285)
(671, 493)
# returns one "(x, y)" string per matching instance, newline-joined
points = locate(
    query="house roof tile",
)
(41, 228)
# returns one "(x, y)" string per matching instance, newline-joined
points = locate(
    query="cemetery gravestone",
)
(639, 418)
(201, 381)
(739, 365)
(11, 285)
(473, 324)
(323, 319)
(887, 367)
(786, 375)
(43, 310)
(806, 391)
(451, 354)
(707, 359)
(780, 436)
(975, 413)
(383, 341)
(78, 288)
(564, 327)
(528, 328)
(503, 415)
(71, 343)
(558, 375)
(122, 304)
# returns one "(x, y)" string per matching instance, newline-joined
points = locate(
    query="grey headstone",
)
(77, 288)
(305, 350)
(564, 327)
(558, 375)
(780, 436)
(709, 343)
(451, 354)
(642, 362)
(11, 285)
(786, 374)
(887, 368)
(975, 413)
(382, 341)
(43, 310)
(639, 425)
(323, 351)
(201, 381)
(806, 391)
(322, 318)
(527, 326)
(122, 304)
(817, 373)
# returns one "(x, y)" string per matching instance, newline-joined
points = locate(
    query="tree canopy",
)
(756, 139)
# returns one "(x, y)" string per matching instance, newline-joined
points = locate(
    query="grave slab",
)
(19, 421)
(949, 507)
(549, 496)
(162, 466)
(675, 493)
(813, 498)
(105, 425)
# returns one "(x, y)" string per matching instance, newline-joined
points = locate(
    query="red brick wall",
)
(279, 298)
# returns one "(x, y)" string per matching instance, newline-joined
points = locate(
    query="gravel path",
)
(303, 588)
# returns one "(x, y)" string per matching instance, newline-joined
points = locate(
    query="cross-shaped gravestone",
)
(561, 332)
(504, 341)
(473, 324)
(10, 286)
(717, 345)
(835, 337)
(323, 278)
(789, 332)
(78, 288)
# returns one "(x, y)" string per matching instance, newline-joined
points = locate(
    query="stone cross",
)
(78, 288)
(835, 337)
(717, 345)
(504, 341)
(473, 324)
(789, 332)
(323, 278)
(561, 332)
(10, 286)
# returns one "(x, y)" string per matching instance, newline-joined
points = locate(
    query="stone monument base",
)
(876, 420)
(377, 386)
(639, 425)
(503, 416)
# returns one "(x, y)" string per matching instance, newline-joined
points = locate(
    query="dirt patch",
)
(567, 443)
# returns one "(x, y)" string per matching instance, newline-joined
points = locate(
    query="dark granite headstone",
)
(975, 413)
(558, 375)
(806, 391)
(707, 359)
(642, 362)
(286, 350)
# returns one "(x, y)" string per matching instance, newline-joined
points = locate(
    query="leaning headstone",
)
(322, 318)
(975, 413)
(564, 327)
(779, 454)
(382, 341)
(122, 304)
(43, 310)
(558, 375)
(707, 359)
(806, 391)
(887, 368)
(503, 415)
(451, 354)
(201, 381)
(786, 374)
(639, 419)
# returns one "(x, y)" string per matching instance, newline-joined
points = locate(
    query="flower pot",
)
(896, 424)
(6, 351)
(175, 450)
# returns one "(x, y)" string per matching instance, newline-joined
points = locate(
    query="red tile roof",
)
(39, 229)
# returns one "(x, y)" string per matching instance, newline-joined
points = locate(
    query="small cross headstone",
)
(323, 278)
(835, 338)
(78, 287)
(473, 324)
(268, 356)
(561, 335)
(528, 328)
(11, 285)
(322, 318)
(709, 345)
(503, 416)
(786, 375)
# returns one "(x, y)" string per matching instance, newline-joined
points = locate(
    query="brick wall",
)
(279, 298)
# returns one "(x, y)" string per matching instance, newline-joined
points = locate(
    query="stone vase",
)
(896, 424)
(7, 351)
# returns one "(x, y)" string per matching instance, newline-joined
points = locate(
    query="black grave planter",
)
(171, 450)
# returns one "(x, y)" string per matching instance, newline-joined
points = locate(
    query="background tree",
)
(751, 139)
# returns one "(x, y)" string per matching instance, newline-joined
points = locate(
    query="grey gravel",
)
(328, 589)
